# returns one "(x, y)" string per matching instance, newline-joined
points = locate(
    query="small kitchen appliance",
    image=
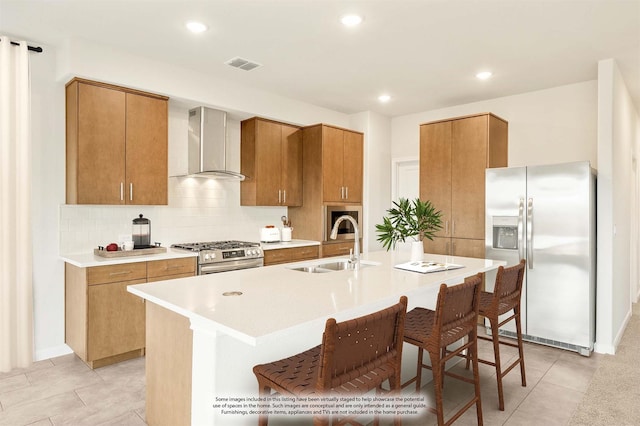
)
(270, 234)
(141, 233)
(222, 256)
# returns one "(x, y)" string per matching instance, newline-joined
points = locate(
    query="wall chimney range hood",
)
(208, 144)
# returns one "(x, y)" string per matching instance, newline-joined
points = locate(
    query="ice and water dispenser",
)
(505, 232)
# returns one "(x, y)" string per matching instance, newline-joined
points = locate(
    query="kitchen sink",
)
(338, 265)
(311, 269)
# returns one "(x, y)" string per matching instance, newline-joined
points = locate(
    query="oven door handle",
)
(231, 265)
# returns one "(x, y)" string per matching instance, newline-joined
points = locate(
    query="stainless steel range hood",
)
(208, 144)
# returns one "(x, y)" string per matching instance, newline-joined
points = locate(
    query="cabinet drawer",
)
(160, 268)
(115, 273)
(273, 257)
(337, 249)
(170, 277)
(304, 253)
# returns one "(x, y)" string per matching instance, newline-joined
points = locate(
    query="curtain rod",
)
(37, 49)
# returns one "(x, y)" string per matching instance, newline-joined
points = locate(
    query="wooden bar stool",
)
(505, 298)
(454, 319)
(355, 356)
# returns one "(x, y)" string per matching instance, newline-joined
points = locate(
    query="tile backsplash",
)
(199, 210)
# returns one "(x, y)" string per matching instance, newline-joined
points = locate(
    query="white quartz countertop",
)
(86, 260)
(289, 244)
(275, 300)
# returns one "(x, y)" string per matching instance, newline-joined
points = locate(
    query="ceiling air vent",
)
(243, 64)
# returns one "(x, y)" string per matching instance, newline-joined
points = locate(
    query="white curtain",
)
(16, 301)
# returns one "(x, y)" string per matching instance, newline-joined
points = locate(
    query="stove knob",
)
(251, 252)
(207, 257)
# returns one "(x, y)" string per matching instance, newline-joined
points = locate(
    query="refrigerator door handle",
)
(521, 244)
(530, 233)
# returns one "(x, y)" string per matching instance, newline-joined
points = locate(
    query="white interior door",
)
(405, 178)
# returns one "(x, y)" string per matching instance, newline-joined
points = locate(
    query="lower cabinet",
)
(104, 323)
(293, 254)
(465, 247)
(468, 247)
(115, 323)
(338, 249)
(170, 269)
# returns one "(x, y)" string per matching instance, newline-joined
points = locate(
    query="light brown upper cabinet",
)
(333, 164)
(271, 161)
(342, 154)
(454, 154)
(116, 145)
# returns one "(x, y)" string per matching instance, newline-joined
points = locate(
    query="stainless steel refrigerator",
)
(546, 215)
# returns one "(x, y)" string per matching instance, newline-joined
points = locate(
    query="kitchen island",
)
(205, 333)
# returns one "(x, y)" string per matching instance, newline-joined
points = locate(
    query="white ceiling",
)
(425, 54)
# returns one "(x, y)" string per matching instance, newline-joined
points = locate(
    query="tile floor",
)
(64, 391)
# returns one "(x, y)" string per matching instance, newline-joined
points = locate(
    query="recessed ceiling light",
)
(196, 27)
(484, 75)
(384, 98)
(351, 20)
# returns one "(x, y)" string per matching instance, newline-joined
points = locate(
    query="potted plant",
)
(414, 220)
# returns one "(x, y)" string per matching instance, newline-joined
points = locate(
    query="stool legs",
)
(438, 361)
(495, 338)
(520, 346)
(476, 376)
(437, 383)
(496, 354)
(264, 391)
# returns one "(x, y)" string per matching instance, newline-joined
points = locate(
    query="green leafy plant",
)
(415, 219)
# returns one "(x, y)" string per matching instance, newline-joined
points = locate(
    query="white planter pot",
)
(417, 251)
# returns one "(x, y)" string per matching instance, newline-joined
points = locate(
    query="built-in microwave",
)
(346, 230)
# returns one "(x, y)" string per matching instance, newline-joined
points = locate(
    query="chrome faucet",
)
(354, 258)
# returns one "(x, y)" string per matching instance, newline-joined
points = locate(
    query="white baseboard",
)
(604, 349)
(623, 327)
(52, 352)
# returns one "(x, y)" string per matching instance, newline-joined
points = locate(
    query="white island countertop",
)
(266, 302)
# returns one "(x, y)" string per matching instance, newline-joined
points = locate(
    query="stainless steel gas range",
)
(221, 256)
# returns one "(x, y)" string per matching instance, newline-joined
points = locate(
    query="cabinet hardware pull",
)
(121, 191)
(131, 191)
(521, 228)
(119, 273)
(346, 192)
(279, 196)
(530, 233)
(284, 196)
(342, 192)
